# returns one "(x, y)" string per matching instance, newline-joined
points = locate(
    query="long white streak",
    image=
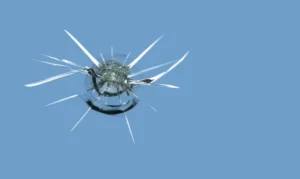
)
(149, 84)
(169, 86)
(53, 64)
(65, 66)
(179, 61)
(143, 53)
(51, 78)
(53, 58)
(129, 128)
(112, 52)
(61, 100)
(93, 59)
(103, 59)
(72, 63)
(81, 119)
(126, 58)
(83, 71)
(151, 68)
(64, 61)
(155, 78)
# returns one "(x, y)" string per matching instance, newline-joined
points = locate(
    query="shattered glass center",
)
(110, 79)
(108, 87)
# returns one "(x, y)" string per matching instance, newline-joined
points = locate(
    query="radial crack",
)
(143, 53)
(81, 119)
(149, 69)
(68, 62)
(129, 128)
(53, 64)
(103, 59)
(126, 58)
(62, 100)
(156, 77)
(93, 59)
(52, 78)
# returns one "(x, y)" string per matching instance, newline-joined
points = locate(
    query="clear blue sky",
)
(235, 116)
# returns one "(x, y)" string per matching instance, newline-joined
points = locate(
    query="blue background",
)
(235, 116)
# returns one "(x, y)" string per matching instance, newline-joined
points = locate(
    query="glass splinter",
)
(93, 59)
(81, 119)
(143, 53)
(72, 63)
(60, 65)
(156, 77)
(68, 62)
(62, 100)
(169, 86)
(53, 64)
(129, 128)
(103, 59)
(126, 58)
(51, 79)
(53, 58)
(149, 69)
